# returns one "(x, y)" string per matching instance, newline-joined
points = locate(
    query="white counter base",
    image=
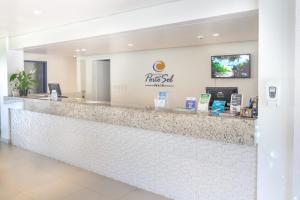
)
(177, 167)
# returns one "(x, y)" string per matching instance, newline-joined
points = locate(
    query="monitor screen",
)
(231, 66)
(54, 86)
(221, 93)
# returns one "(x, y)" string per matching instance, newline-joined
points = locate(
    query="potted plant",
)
(22, 82)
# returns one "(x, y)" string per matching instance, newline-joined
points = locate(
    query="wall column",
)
(10, 62)
(3, 83)
(276, 123)
(296, 160)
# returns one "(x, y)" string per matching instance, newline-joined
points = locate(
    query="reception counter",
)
(234, 130)
(178, 155)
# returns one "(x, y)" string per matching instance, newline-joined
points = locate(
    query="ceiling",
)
(24, 16)
(231, 28)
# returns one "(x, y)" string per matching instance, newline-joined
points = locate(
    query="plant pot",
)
(15, 93)
(23, 93)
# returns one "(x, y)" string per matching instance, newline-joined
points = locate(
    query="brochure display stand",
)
(203, 105)
(236, 103)
(161, 100)
(190, 103)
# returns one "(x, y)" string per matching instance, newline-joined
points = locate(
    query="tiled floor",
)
(28, 176)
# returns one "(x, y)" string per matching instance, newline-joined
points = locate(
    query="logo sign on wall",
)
(158, 78)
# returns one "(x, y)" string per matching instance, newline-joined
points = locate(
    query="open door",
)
(101, 80)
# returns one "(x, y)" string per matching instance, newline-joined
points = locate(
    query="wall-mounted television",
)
(231, 66)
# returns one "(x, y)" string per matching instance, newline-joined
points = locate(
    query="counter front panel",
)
(235, 130)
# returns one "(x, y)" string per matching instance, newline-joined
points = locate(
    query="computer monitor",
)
(221, 93)
(55, 86)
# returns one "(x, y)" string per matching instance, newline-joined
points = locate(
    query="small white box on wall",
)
(273, 88)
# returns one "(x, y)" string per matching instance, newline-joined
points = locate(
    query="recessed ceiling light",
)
(77, 50)
(200, 37)
(130, 44)
(37, 12)
(216, 34)
(83, 50)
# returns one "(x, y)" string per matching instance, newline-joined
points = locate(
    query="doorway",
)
(40, 75)
(101, 80)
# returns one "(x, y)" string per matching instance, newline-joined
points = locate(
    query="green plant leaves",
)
(22, 80)
(13, 77)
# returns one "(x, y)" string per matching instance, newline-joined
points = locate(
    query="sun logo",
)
(159, 66)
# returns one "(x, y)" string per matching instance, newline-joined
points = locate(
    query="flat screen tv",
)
(231, 66)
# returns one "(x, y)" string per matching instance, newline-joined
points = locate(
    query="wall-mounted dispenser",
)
(273, 92)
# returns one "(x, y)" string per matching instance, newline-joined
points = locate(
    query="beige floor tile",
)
(70, 173)
(25, 175)
(7, 193)
(110, 188)
(22, 196)
(142, 195)
(85, 194)
(53, 191)
(25, 178)
(13, 158)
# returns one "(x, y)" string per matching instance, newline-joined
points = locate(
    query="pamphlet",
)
(190, 103)
(218, 106)
(162, 95)
(161, 100)
(236, 103)
(203, 105)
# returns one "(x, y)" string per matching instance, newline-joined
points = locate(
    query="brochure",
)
(161, 100)
(218, 106)
(203, 105)
(162, 95)
(236, 103)
(190, 103)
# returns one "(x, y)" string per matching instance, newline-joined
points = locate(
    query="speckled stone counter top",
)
(233, 130)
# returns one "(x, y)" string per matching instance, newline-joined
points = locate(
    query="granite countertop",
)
(226, 129)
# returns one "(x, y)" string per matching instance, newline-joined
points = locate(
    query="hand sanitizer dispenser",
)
(273, 92)
(54, 95)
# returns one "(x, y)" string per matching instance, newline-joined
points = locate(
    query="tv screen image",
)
(231, 66)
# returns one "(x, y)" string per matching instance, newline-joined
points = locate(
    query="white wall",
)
(276, 50)
(3, 67)
(10, 62)
(60, 69)
(15, 62)
(296, 170)
(191, 67)
(3, 80)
